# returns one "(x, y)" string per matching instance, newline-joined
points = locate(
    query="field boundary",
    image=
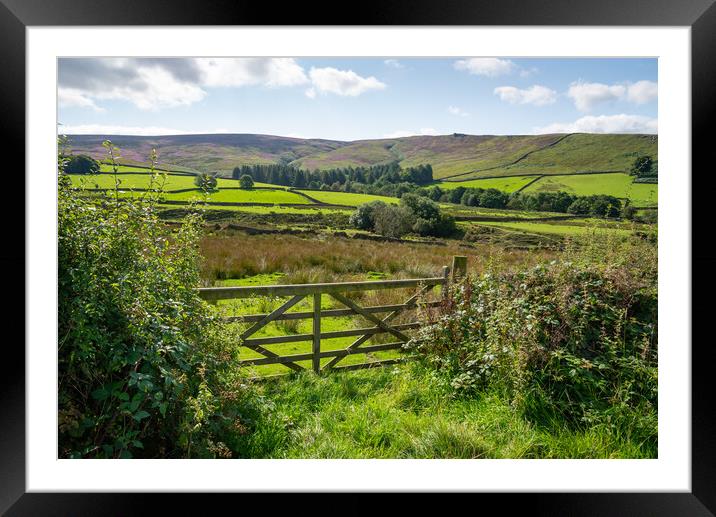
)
(515, 161)
(337, 291)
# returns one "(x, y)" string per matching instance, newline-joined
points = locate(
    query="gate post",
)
(459, 268)
(316, 332)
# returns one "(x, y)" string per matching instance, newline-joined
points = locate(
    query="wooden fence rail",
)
(336, 290)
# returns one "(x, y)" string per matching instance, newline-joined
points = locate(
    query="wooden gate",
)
(298, 292)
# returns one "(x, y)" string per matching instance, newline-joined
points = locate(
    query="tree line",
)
(598, 205)
(348, 179)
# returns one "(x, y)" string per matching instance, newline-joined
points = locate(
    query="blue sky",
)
(356, 98)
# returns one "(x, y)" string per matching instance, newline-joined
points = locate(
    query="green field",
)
(132, 177)
(581, 153)
(240, 196)
(465, 156)
(268, 210)
(617, 185)
(562, 229)
(347, 198)
(509, 184)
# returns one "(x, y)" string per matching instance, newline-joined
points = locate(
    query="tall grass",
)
(329, 258)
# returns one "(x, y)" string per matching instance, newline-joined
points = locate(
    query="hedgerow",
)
(572, 340)
(145, 366)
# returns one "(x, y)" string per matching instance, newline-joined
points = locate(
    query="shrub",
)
(81, 164)
(572, 339)
(392, 221)
(363, 217)
(206, 182)
(246, 182)
(143, 361)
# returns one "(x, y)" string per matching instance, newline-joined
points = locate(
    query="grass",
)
(449, 155)
(347, 198)
(582, 153)
(557, 228)
(403, 412)
(616, 184)
(132, 177)
(276, 210)
(329, 258)
(241, 196)
(509, 184)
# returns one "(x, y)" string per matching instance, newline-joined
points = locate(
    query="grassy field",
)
(402, 412)
(449, 155)
(581, 153)
(558, 228)
(617, 185)
(241, 196)
(276, 210)
(132, 177)
(347, 198)
(509, 184)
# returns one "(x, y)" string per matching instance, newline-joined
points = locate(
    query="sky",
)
(356, 98)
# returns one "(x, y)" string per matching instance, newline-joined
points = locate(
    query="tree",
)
(81, 164)
(363, 217)
(206, 182)
(246, 182)
(642, 166)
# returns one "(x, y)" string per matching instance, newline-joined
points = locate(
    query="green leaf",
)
(140, 415)
(100, 394)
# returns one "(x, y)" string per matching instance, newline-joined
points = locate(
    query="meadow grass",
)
(132, 177)
(508, 184)
(347, 198)
(580, 153)
(616, 184)
(405, 412)
(558, 228)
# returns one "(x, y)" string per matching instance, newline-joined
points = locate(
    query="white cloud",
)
(642, 92)
(101, 129)
(621, 123)
(342, 82)
(236, 72)
(401, 133)
(536, 95)
(311, 93)
(588, 95)
(457, 111)
(394, 63)
(70, 98)
(153, 83)
(486, 66)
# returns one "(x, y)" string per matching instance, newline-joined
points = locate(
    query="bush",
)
(363, 217)
(246, 182)
(81, 164)
(572, 339)
(206, 182)
(143, 361)
(392, 221)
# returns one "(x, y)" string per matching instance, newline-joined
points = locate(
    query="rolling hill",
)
(454, 157)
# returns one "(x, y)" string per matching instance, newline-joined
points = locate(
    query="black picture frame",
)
(700, 15)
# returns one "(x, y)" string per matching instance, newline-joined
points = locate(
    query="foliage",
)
(246, 181)
(206, 182)
(428, 218)
(81, 164)
(415, 213)
(642, 166)
(143, 361)
(572, 339)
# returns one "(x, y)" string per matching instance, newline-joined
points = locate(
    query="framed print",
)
(417, 251)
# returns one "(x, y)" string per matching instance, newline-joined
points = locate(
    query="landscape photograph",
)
(349, 257)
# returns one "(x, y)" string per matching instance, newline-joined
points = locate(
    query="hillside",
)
(455, 156)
